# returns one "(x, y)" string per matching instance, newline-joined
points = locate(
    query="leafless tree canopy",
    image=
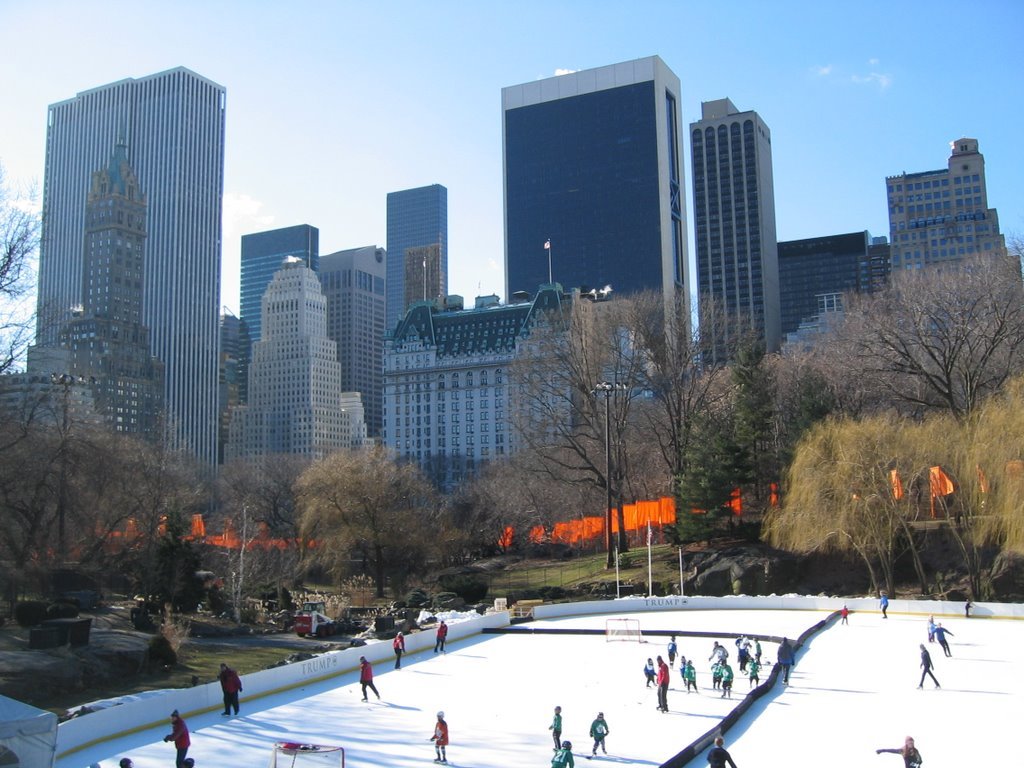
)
(19, 241)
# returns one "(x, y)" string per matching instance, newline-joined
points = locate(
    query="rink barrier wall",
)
(154, 711)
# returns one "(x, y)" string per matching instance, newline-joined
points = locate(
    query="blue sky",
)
(331, 105)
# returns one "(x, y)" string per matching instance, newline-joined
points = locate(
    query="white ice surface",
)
(853, 689)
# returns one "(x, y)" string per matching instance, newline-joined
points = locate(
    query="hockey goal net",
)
(623, 629)
(287, 754)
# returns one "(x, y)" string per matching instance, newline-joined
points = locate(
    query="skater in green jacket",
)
(563, 757)
(598, 730)
(727, 676)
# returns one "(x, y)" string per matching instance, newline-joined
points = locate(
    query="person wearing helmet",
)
(440, 738)
(598, 730)
(563, 757)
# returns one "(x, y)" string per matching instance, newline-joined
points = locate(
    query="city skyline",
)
(847, 98)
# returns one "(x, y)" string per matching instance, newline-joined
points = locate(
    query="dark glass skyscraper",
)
(417, 220)
(263, 253)
(173, 125)
(593, 175)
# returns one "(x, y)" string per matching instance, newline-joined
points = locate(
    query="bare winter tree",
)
(940, 338)
(19, 241)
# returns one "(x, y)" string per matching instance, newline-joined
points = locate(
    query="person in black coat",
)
(718, 756)
(926, 667)
(911, 757)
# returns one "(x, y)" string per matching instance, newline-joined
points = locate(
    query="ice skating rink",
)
(853, 689)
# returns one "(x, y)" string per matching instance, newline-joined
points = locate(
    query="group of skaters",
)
(563, 749)
(748, 652)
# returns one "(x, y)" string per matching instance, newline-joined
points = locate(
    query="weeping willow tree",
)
(841, 496)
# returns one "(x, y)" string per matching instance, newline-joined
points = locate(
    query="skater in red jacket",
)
(662, 685)
(231, 685)
(366, 677)
(399, 645)
(442, 634)
(179, 735)
(440, 738)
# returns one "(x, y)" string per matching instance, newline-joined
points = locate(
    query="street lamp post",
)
(607, 388)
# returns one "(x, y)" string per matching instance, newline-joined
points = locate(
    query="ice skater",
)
(743, 656)
(563, 757)
(442, 635)
(926, 668)
(967, 609)
(690, 676)
(556, 728)
(366, 677)
(884, 604)
(718, 756)
(940, 635)
(718, 652)
(727, 676)
(649, 673)
(716, 675)
(598, 730)
(752, 669)
(931, 629)
(662, 685)
(844, 615)
(672, 651)
(911, 757)
(398, 644)
(440, 738)
(230, 686)
(785, 659)
(179, 735)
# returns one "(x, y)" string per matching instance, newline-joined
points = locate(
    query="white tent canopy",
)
(28, 736)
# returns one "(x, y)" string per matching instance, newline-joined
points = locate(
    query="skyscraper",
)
(943, 215)
(296, 404)
(235, 350)
(734, 224)
(105, 345)
(593, 171)
(353, 282)
(417, 218)
(263, 253)
(173, 125)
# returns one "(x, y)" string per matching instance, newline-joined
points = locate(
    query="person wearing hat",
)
(366, 677)
(398, 644)
(598, 730)
(126, 762)
(440, 738)
(179, 735)
(563, 757)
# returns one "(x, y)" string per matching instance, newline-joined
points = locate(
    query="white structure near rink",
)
(447, 399)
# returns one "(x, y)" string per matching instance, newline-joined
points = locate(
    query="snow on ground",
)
(854, 689)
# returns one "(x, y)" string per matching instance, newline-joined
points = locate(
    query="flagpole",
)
(547, 247)
(617, 595)
(650, 570)
(681, 592)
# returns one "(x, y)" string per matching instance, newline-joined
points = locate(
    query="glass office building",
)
(173, 125)
(593, 180)
(417, 219)
(263, 253)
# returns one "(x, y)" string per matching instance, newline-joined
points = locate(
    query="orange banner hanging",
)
(897, 484)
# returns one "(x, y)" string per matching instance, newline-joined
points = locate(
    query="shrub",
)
(29, 613)
(472, 589)
(62, 609)
(161, 652)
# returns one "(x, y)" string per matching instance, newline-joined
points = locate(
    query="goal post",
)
(623, 629)
(289, 754)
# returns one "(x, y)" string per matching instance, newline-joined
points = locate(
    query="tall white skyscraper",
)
(173, 125)
(296, 404)
(734, 220)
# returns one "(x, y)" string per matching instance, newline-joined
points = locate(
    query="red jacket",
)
(399, 643)
(442, 630)
(365, 672)
(230, 682)
(440, 734)
(179, 734)
(663, 674)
